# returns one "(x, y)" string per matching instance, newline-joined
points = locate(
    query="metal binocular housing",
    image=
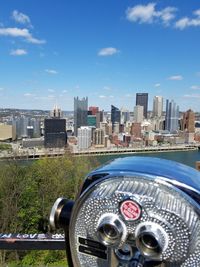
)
(133, 211)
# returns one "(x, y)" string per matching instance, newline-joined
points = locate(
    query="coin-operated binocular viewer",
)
(135, 211)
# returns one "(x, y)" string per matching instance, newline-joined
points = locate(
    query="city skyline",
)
(138, 46)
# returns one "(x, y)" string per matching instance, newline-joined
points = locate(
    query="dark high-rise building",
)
(142, 100)
(99, 118)
(115, 116)
(30, 131)
(80, 113)
(55, 134)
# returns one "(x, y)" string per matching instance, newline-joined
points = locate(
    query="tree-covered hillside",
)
(27, 194)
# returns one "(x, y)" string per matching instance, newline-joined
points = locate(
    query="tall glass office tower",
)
(55, 134)
(115, 116)
(80, 113)
(172, 116)
(157, 106)
(142, 100)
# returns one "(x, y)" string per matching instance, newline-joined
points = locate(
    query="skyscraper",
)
(138, 113)
(98, 137)
(80, 113)
(189, 121)
(55, 130)
(142, 100)
(91, 120)
(115, 116)
(125, 115)
(94, 110)
(56, 112)
(21, 126)
(157, 106)
(136, 130)
(172, 116)
(84, 137)
(35, 122)
(99, 118)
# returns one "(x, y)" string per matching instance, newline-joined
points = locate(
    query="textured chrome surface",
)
(55, 212)
(176, 173)
(163, 206)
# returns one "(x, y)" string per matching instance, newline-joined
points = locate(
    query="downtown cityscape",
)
(99, 133)
(90, 130)
(126, 83)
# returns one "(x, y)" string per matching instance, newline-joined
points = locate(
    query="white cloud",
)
(50, 71)
(24, 33)
(128, 95)
(108, 51)
(141, 13)
(107, 88)
(185, 22)
(1, 88)
(149, 14)
(195, 87)
(175, 78)
(28, 95)
(51, 96)
(40, 98)
(182, 23)
(192, 96)
(64, 91)
(21, 18)
(51, 90)
(104, 96)
(157, 84)
(167, 14)
(18, 52)
(197, 12)
(45, 98)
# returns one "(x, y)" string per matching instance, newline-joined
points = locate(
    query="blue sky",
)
(51, 51)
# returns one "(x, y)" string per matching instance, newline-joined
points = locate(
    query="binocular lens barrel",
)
(110, 229)
(150, 243)
(151, 240)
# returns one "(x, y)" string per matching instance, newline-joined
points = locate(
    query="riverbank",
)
(142, 150)
(30, 154)
(188, 157)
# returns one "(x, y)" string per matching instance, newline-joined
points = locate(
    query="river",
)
(186, 157)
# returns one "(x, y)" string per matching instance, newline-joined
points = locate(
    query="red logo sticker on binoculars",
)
(130, 210)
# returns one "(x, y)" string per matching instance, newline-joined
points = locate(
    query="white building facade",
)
(138, 113)
(84, 137)
(157, 106)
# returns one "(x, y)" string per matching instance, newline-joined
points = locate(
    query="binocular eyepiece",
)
(111, 229)
(151, 240)
(133, 212)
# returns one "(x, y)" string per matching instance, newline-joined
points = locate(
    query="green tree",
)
(28, 193)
